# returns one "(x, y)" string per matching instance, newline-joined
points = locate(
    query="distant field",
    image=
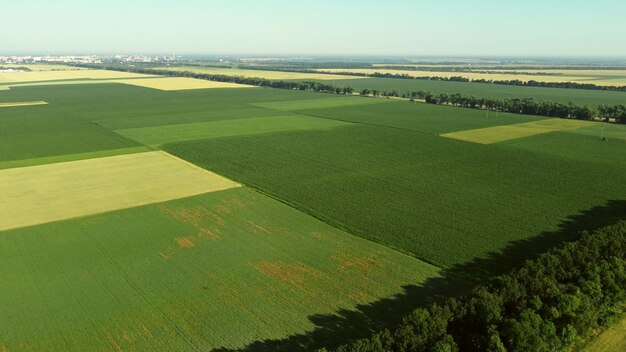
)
(42, 67)
(45, 193)
(178, 83)
(39, 76)
(275, 75)
(158, 135)
(612, 78)
(577, 96)
(294, 105)
(508, 132)
(220, 270)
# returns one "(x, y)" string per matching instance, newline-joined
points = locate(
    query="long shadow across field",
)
(347, 325)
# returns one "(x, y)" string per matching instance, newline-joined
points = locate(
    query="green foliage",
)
(560, 279)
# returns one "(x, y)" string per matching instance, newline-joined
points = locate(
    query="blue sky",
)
(320, 27)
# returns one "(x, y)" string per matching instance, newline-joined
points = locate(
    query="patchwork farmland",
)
(143, 212)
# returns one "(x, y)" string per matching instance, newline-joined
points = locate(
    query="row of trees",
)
(517, 106)
(514, 82)
(549, 304)
(527, 106)
(618, 112)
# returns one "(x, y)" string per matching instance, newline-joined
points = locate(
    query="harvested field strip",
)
(199, 273)
(294, 105)
(158, 135)
(179, 83)
(273, 75)
(24, 103)
(40, 76)
(497, 134)
(71, 157)
(45, 193)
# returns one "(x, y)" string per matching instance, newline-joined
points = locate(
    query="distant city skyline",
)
(414, 28)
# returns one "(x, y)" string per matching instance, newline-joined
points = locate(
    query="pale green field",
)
(52, 192)
(497, 134)
(294, 105)
(158, 135)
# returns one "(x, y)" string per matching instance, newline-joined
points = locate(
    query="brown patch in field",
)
(322, 235)
(295, 274)
(366, 265)
(256, 228)
(165, 256)
(185, 242)
(4, 348)
(146, 331)
(197, 217)
(114, 344)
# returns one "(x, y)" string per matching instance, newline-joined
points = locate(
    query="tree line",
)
(513, 82)
(551, 303)
(517, 106)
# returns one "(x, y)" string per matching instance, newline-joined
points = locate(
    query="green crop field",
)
(218, 270)
(353, 210)
(441, 200)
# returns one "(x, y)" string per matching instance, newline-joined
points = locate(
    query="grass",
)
(442, 200)
(498, 134)
(273, 75)
(46, 193)
(158, 135)
(218, 270)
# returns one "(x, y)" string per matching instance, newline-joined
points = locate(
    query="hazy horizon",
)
(532, 29)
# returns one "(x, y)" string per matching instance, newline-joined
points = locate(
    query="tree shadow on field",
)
(332, 330)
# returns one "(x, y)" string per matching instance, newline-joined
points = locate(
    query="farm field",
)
(345, 203)
(579, 96)
(8, 78)
(600, 77)
(159, 135)
(219, 270)
(498, 134)
(46, 193)
(437, 192)
(274, 75)
(178, 83)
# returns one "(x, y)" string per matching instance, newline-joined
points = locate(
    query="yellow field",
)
(612, 340)
(274, 75)
(43, 67)
(39, 76)
(23, 103)
(45, 193)
(179, 83)
(497, 134)
(472, 75)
